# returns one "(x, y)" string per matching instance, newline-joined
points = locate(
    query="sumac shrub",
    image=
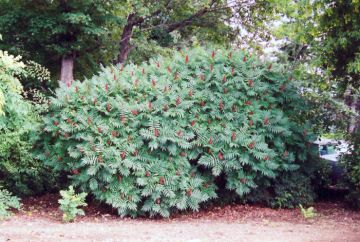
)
(152, 138)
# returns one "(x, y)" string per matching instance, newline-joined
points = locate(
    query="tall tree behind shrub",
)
(152, 138)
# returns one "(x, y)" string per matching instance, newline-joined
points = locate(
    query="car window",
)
(331, 149)
(328, 149)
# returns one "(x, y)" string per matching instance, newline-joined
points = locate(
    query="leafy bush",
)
(7, 202)
(19, 171)
(351, 164)
(70, 203)
(153, 138)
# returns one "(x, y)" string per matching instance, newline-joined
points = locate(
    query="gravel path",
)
(40, 220)
(44, 230)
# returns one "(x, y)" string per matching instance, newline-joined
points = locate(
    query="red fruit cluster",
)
(251, 83)
(134, 112)
(210, 141)
(266, 121)
(190, 93)
(123, 155)
(162, 180)
(178, 100)
(75, 171)
(166, 107)
(123, 119)
(100, 159)
(189, 192)
(248, 102)
(233, 136)
(233, 108)
(136, 153)
(286, 154)
(156, 132)
(282, 88)
(220, 156)
(221, 105)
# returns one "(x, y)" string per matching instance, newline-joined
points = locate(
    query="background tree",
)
(57, 31)
(326, 35)
(83, 34)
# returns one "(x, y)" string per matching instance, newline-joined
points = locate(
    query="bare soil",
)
(40, 220)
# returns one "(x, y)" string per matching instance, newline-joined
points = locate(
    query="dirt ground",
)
(40, 220)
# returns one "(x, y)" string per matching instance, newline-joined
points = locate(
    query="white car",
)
(330, 149)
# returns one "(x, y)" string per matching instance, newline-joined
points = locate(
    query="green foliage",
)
(289, 189)
(19, 171)
(152, 138)
(351, 163)
(44, 31)
(307, 212)
(70, 203)
(7, 202)
(292, 189)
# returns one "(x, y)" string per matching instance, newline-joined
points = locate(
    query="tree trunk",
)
(353, 102)
(124, 44)
(67, 69)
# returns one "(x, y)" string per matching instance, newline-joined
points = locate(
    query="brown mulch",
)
(47, 207)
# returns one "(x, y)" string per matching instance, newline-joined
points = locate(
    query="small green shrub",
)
(7, 202)
(307, 213)
(70, 203)
(152, 139)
